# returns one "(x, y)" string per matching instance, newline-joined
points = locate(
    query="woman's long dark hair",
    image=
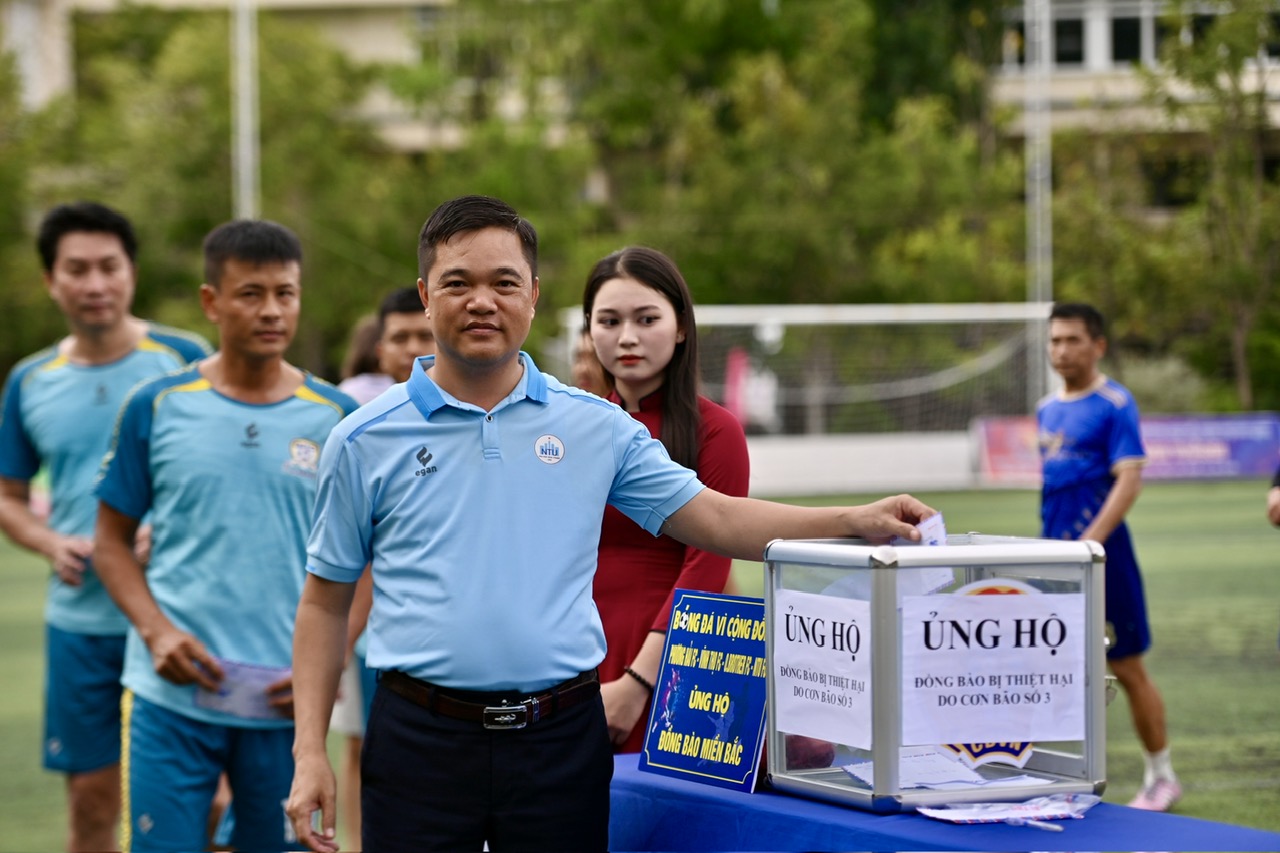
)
(680, 417)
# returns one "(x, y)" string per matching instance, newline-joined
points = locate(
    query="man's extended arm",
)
(742, 527)
(319, 646)
(1124, 491)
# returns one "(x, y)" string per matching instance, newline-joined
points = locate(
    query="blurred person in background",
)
(360, 375)
(1092, 455)
(588, 374)
(384, 348)
(60, 405)
(640, 317)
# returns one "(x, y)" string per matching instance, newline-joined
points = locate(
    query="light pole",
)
(1039, 188)
(246, 184)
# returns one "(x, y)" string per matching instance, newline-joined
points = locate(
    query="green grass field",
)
(1212, 569)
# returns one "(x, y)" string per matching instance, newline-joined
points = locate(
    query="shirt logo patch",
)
(100, 396)
(549, 449)
(250, 436)
(304, 458)
(424, 456)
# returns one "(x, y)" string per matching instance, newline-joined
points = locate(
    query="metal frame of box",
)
(976, 556)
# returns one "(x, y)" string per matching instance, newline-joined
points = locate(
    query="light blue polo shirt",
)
(483, 527)
(58, 415)
(230, 487)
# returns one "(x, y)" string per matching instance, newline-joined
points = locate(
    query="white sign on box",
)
(822, 667)
(993, 668)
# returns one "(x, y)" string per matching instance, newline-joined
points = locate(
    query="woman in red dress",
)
(639, 314)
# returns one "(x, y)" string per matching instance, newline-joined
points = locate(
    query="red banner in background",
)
(1008, 452)
(1179, 447)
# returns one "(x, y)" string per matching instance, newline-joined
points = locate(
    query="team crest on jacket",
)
(304, 458)
(549, 449)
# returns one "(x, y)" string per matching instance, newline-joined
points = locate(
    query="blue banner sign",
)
(1179, 447)
(707, 719)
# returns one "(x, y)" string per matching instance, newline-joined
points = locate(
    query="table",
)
(652, 812)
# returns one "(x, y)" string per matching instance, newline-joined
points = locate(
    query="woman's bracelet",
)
(640, 678)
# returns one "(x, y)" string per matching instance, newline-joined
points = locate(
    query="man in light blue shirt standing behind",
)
(59, 408)
(223, 456)
(476, 489)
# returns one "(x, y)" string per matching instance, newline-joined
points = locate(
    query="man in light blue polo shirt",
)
(476, 489)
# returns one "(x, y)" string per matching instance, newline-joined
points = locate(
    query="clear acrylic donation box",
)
(918, 675)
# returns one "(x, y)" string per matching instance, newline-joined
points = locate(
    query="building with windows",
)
(1095, 47)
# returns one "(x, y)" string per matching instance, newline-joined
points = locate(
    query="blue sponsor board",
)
(1210, 446)
(1179, 447)
(707, 719)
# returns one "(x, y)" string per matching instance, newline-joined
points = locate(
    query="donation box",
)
(909, 675)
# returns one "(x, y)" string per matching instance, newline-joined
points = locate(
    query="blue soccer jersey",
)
(59, 415)
(1083, 439)
(230, 487)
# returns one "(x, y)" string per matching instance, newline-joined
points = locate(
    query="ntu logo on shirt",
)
(424, 456)
(250, 436)
(100, 396)
(549, 449)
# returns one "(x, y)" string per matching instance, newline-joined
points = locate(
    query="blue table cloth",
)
(652, 812)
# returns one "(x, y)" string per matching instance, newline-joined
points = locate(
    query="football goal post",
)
(840, 369)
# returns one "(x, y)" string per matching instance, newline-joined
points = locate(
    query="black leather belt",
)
(495, 711)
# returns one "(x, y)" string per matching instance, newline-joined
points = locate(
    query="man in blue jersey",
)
(1093, 456)
(222, 457)
(59, 407)
(477, 490)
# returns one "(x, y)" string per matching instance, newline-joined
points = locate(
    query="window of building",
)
(1068, 41)
(1126, 40)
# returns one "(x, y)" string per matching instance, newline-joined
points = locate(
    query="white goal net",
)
(841, 369)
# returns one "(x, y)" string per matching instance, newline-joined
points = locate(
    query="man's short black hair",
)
(255, 241)
(402, 300)
(87, 216)
(472, 213)
(1094, 324)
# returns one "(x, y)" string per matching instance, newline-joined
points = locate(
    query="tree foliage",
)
(1216, 85)
(24, 296)
(781, 151)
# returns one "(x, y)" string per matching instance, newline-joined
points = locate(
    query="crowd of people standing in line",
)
(245, 556)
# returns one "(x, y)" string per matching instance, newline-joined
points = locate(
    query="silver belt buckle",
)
(500, 717)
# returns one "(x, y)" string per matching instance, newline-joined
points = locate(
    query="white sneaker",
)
(1159, 796)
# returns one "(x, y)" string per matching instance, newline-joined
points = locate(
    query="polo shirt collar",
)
(427, 397)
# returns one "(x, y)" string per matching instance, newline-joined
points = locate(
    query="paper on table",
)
(930, 767)
(243, 691)
(1000, 782)
(920, 767)
(1052, 807)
